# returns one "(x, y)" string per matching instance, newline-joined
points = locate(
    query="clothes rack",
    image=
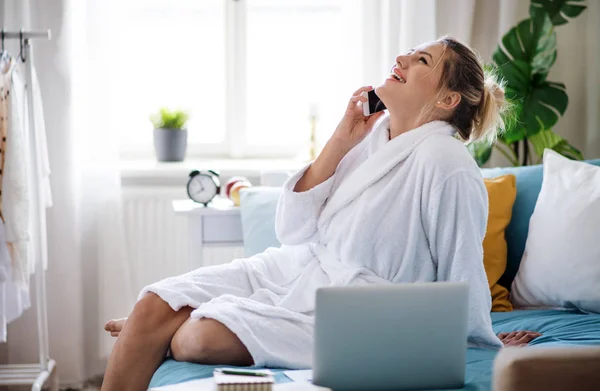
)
(25, 34)
(40, 373)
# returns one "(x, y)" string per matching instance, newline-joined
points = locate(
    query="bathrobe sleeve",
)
(455, 222)
(298, 212)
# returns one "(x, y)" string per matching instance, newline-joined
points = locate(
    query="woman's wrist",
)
(324, 166)
(337, 147)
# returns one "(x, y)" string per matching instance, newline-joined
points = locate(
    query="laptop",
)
(391, 337)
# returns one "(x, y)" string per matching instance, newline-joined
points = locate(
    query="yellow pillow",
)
(502, 192)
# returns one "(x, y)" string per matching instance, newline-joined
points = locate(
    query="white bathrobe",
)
(409, 209)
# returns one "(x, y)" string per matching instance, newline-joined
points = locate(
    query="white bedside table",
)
(218, 225)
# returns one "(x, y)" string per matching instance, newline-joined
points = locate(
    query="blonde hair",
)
(479, 115)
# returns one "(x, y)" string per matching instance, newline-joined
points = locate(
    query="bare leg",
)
(207, 341)
(142, 344)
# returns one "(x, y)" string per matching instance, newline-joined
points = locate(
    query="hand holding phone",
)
(355, 125)
(373, 103)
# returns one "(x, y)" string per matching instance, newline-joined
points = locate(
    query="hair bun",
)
(492, 87)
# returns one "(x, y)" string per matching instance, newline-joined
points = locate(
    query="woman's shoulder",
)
(445, 156)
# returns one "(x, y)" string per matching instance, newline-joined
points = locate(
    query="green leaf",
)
(543, 107)
(569, 151)
(167, 119)
(517, 74)
(540, 109)
(528, 53)
(557, 10)
(529, 39)
(481, 151)
(530, 47)
(551, 140)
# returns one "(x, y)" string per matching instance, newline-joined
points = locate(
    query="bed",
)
(559, 328)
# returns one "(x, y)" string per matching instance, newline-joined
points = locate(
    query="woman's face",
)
(414, 80)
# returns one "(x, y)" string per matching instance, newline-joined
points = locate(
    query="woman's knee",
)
(150, 311)
(207, 341)
(191, 344)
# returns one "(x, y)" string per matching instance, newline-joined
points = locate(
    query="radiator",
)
(158, 239)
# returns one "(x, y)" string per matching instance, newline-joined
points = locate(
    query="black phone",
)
(373, 103)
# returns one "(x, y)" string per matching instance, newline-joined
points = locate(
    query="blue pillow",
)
(257, 210)
(529, 184)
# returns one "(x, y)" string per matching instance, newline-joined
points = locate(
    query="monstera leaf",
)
(549, 139)
(557, 10)
(524, 60)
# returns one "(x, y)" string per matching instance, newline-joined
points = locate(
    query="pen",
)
(243, 373)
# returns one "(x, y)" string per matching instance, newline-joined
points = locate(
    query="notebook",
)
(245, 380)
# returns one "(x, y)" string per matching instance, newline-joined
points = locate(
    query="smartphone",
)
(373, 103)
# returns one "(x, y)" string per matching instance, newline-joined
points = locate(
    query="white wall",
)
(578, 66)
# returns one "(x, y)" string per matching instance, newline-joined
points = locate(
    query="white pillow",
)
(561, 263)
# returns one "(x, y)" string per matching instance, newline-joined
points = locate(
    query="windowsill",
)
(147, 172)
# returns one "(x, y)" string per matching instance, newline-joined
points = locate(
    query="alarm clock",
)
(203, 186)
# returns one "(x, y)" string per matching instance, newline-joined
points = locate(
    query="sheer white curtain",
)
(105, 247)
(394, 26)
(88, 275)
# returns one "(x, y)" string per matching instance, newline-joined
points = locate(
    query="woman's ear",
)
(451, 100)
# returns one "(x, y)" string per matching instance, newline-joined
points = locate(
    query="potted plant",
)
(524, 59)
(170, 134)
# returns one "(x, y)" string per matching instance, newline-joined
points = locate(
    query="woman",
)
(392, 198)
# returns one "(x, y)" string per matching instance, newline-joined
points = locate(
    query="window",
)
(174, 56)
(250, 72)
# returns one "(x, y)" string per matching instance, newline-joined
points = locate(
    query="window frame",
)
(235, 145)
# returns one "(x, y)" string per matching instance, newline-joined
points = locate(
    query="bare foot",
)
(114, 326)
(518, 338)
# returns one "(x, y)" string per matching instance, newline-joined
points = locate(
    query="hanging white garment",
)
(5, 269)
(14, 298)
(15, 241)
(19, 178)
(41, 143)
(4, 277)
(38, 245)
(5, 64)
(16, 197)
